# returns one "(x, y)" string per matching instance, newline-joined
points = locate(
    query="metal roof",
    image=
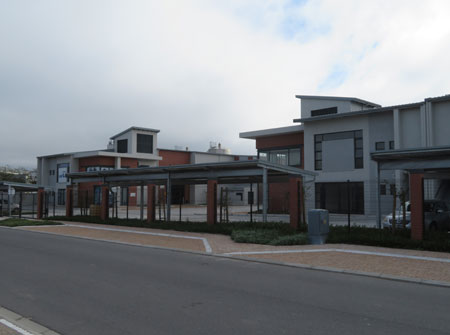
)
(271, 132)
(419, 159)
(326, 97)
(20, 187)
(135, 128)
(225, 172)
(357, 113)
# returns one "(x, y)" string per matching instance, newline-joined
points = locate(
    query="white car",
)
(436, 216)
(15, 208)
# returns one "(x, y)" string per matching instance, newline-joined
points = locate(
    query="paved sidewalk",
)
(375, 261)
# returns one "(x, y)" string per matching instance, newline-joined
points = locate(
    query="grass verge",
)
(14, 222)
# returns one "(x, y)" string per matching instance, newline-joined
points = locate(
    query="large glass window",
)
(145, 143)
(358, 146)
(334, 197)
(285, 156)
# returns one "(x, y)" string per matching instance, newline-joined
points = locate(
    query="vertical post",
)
(265, 194)
(20, 204)
(32, 204)
(294, 201)
(169, 197)
(128, 199)
(40, 203)
(221, 204)
(150, 203)
(181, 202)
(378, 197)
(211, 201)
(141, 212)
(348, 205)
(104, 210)
(251, 202)
(1, 204)
(69, 201)
(9, 200)
(416, 196)
(54, 202)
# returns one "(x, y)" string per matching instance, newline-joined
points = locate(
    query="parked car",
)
(15, 208)
(436, 216)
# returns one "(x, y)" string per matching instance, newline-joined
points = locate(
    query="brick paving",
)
(220, 244)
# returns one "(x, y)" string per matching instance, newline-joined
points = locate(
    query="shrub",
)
(14, 222)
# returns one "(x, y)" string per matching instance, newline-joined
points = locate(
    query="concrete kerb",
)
(270, 262)
(23, 325)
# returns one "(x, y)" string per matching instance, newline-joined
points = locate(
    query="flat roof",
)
(224, 172)
(327, 97)
(271, 132)
(135, 128)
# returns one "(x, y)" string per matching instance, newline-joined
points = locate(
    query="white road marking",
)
(204, 240)
(358, 252)
(13, 326)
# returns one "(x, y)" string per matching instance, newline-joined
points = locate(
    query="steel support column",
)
(265, 194)
(141, 204)
(169, 197)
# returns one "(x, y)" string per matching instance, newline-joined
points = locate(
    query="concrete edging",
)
(26, 326)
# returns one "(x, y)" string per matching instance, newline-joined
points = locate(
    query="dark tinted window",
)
(391, 145)
(145, 143)
(324, 111)
(122, 146)
(334, 197)
(379, 146)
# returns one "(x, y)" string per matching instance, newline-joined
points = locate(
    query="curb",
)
(26, 325)
(270, 262)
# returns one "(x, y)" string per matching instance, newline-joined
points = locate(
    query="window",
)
(99, 168)
(285, 156)
(97, 195)
(145, 143)
(122, 146)
(61, 196)
(324, 111)
(357, 136)
(294, 157)
(391, 145)
(379, 146)
(63, 170)
(334, 197)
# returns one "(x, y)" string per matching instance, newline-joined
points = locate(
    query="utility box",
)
(318, 226)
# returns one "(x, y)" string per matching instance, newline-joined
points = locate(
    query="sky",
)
(75, 73)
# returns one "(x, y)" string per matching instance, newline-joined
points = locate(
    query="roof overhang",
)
(272, 132)
(224, 173)
(325, 97)
(416, 159)
(148, 130)
(19, 187)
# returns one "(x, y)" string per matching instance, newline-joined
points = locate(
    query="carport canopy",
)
(237, 172)
(421, 163)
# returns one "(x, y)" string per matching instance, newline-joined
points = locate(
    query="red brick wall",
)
(170, 157)
(279, 140)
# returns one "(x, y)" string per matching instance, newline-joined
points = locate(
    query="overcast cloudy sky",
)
(74, 73)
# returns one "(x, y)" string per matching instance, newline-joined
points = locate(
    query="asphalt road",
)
(84, 287)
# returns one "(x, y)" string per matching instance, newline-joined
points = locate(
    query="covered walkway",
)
(212, 174)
